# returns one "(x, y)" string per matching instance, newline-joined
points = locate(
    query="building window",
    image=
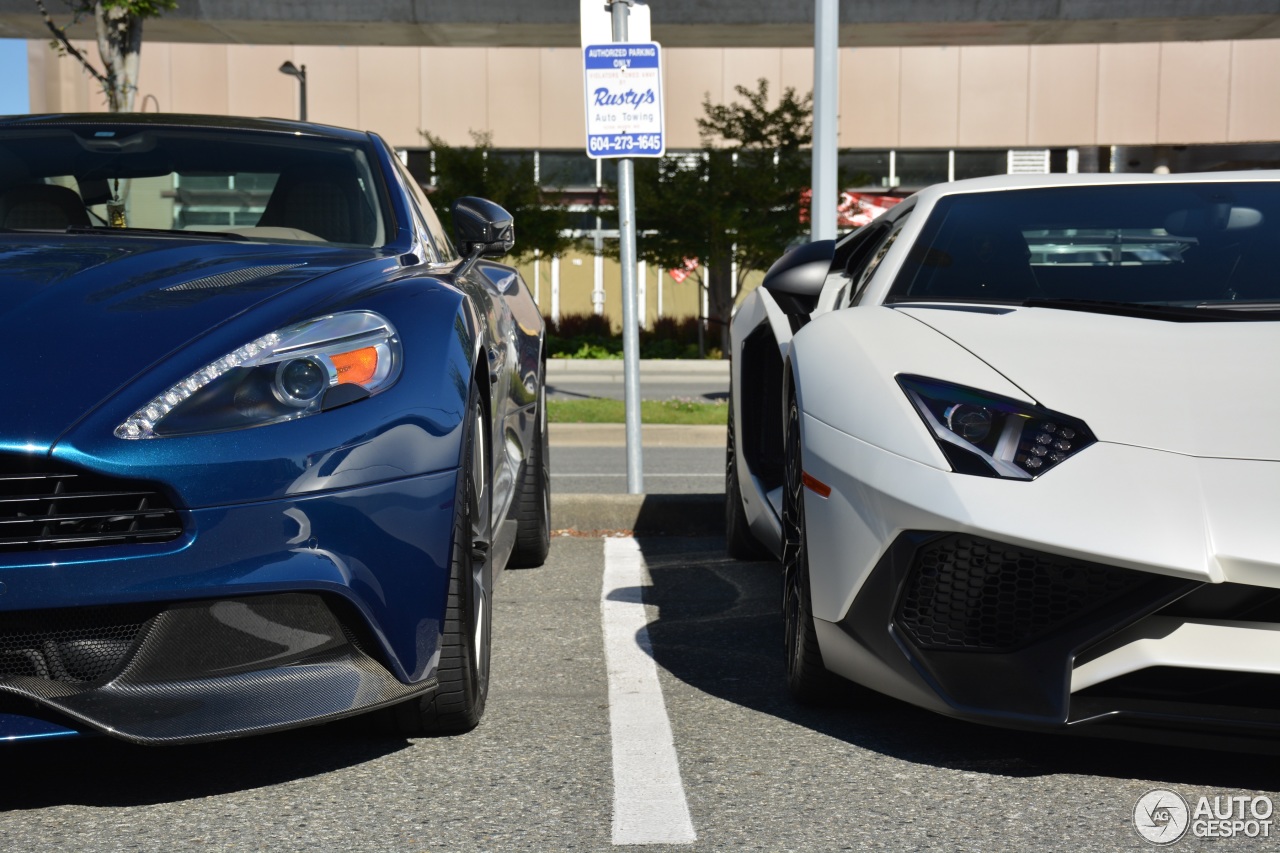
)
(917, 169)
(569, 170)
(979, 164)
(524, 162)
(421, 164)
(862, 169)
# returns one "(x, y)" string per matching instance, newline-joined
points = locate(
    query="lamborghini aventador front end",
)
(1039, 463)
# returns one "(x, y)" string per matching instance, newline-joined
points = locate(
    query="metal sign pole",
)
(826, 88)
(630, 329)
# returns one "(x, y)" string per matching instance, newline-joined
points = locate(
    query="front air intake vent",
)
(971, 594)
(69, 646)
(49, 509)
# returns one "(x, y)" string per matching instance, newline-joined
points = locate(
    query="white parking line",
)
(649, 805)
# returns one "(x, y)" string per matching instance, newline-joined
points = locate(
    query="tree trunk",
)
(120, 46)
(720, 301)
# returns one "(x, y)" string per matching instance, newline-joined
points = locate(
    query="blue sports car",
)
(268, 434)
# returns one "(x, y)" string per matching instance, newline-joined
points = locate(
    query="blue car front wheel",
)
(457, 703)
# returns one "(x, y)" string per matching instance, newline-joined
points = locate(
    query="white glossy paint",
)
(1194, 388)
(1184, 479)
(1193, 644)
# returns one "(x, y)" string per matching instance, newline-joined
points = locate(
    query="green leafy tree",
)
(119, 32)
(738, 200)
(481, 170)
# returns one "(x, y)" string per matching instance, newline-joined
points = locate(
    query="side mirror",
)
(482, 228)
(796, 278)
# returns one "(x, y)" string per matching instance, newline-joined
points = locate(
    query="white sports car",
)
(1017, 445)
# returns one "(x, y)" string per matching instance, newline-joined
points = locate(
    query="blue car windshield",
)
(1190, 244)
(259, 186)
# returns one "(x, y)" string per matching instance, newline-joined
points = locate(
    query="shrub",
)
(591, 336)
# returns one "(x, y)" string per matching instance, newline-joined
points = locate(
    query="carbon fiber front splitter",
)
(208, 670)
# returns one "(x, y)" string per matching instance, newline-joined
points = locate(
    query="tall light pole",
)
(301, 73)
(826, 100)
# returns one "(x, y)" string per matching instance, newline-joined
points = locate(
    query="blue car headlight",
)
(319, 364)
(993, 436)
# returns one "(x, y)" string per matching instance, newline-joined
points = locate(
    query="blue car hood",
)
(82, 315)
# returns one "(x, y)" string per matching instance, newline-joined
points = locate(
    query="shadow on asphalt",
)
(718, 629)
(100, 771)
(553, 391)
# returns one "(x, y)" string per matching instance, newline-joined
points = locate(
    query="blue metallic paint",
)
(385, 548)
(409, 429)
(116, 305)
(356, 502)
(14, 727)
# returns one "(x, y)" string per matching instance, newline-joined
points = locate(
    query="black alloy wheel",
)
(457, 704)
(533, 512)
(808, 679)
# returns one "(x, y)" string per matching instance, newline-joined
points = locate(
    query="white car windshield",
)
(1192, 244)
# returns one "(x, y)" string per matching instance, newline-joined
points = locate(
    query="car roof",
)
(180, 120)
(996, 183)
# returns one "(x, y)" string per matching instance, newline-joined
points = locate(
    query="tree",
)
(737, 201)
(480, 170)
(119, 28)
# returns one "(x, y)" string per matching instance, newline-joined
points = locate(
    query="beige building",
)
(908, 115)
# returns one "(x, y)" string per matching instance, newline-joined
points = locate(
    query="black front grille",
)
(71, 646)
(44, 508)
(966, 593)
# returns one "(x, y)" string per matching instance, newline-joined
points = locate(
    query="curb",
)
(672, 515)
(613, 367)
(651, 435)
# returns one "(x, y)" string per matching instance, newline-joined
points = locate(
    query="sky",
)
(14, 97)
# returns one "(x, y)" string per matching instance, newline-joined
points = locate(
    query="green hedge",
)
(590, 336)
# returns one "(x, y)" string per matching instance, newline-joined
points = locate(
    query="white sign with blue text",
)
(624, 100)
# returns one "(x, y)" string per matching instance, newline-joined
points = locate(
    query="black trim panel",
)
(215, 669)
(1023, 686)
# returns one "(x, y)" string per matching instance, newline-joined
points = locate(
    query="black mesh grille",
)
(45, 508)
(68, 645)
(975, 594)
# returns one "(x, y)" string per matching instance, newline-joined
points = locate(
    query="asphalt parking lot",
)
(754, 770)
(637, 700)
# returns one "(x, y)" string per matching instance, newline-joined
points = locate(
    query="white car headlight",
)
(297, 371)
(993, 436)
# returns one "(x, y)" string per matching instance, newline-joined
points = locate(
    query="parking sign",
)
(624, 99)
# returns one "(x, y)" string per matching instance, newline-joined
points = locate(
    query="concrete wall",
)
(686, 23)
(890, 97)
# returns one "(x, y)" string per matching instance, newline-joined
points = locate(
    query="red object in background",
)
(854, 209)
(857, 209)
(681, 273)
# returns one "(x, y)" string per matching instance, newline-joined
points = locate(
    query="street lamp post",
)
(301, 73)
(826, 105)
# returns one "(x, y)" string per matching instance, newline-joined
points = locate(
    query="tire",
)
(807, 678)
(738, 541)
(458, 702)
(533, 510)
